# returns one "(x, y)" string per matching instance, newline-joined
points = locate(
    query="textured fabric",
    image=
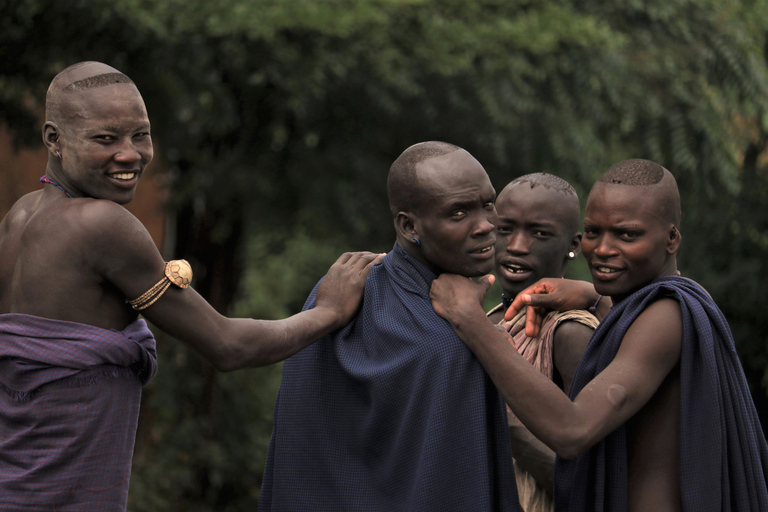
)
(390, 414)
(538, 352)
(69, 405)
(723, 455)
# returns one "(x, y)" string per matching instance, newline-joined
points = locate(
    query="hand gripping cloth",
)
(390, 414)
(723, 455)
(69, 405)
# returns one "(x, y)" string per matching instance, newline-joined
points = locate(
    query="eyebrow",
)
(113, 128)
(536, 224)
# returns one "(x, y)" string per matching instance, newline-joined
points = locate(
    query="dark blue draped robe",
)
(723, 456)
(392, 413)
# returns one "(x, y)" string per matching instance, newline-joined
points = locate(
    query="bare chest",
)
(653, 442)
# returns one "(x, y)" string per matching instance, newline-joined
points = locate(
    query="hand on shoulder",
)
(341, 291)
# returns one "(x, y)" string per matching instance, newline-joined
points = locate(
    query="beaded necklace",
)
(46, 179)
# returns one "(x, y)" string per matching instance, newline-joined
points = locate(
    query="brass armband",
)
(178, 272)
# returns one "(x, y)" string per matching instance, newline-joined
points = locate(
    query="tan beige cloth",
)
(538, 352)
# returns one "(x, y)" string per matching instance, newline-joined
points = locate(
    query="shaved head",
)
(568, 198)
(78, 77)
(645, 173)
(404, 194)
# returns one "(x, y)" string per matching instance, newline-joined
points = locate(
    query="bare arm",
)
(571, 339)
(558, 294)
(129, 260)
(649, 351)
(532, 455)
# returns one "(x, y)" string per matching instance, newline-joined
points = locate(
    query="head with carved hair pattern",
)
(632, 227)
(442, 202)
(97, 132)
(538, 230)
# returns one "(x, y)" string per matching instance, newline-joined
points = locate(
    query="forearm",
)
(535, 400)
(256, 343)
(532, 455)
(234, 343)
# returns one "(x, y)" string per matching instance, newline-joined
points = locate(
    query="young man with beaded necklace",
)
(73, 261)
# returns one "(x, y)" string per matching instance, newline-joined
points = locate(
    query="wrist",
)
(330, 318)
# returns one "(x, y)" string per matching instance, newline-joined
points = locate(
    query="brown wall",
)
(20, 171)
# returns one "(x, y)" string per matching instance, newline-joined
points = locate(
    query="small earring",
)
(58, 154)
(571, 255)
(417, 241)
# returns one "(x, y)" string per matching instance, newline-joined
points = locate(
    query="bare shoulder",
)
(116, 240)
(108, 223)
(656, 334)
(570, 341)
(21, 211)
(573, 332)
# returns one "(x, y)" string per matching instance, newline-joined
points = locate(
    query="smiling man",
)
(393, 413)
(536, 236)
(75, 269)
(660, 416)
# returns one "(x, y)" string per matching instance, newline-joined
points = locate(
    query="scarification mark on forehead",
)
(546, 180)
(633, 172)
(98, 81)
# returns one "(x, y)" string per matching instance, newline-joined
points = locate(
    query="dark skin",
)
(627, 244)
(456, 221)
(537, 228)
(79, 259)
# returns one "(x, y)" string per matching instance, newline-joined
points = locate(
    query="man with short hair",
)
(393, 413)
(75, 269)
(660, 416)
(536, 236)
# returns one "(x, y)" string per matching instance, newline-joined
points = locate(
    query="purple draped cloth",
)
(723, 454)
(69, 406)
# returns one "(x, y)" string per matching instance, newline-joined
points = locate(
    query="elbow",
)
(226, 359)
(568, 452)
(571, 443)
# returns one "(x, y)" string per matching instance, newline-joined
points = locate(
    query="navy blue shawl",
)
(723, 455)
(391, 413)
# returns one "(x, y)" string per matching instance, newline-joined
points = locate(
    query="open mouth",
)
(124, 176)
(514, 268)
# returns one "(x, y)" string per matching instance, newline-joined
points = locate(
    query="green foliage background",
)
(278, 120)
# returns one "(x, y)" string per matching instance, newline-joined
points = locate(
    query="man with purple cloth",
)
(75, 270)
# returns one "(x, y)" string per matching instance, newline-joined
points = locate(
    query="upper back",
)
(49, 255)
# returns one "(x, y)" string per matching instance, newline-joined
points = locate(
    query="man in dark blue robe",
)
(393, 412)
(659, 416)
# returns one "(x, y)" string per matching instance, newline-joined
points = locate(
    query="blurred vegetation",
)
(278, 121)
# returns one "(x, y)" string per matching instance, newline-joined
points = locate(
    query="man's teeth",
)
(606, 270)
(515, 269)
(124, 175)
(485, 249)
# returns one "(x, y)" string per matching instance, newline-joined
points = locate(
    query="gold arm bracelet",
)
(177, 272)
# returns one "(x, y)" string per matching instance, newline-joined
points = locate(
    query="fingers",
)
(529, 296)
(533, 320)
(362, 260)
(487, 281)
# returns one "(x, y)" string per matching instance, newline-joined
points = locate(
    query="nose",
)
(603, 248)
(518, 242)
(127, 152)
(486, 224)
